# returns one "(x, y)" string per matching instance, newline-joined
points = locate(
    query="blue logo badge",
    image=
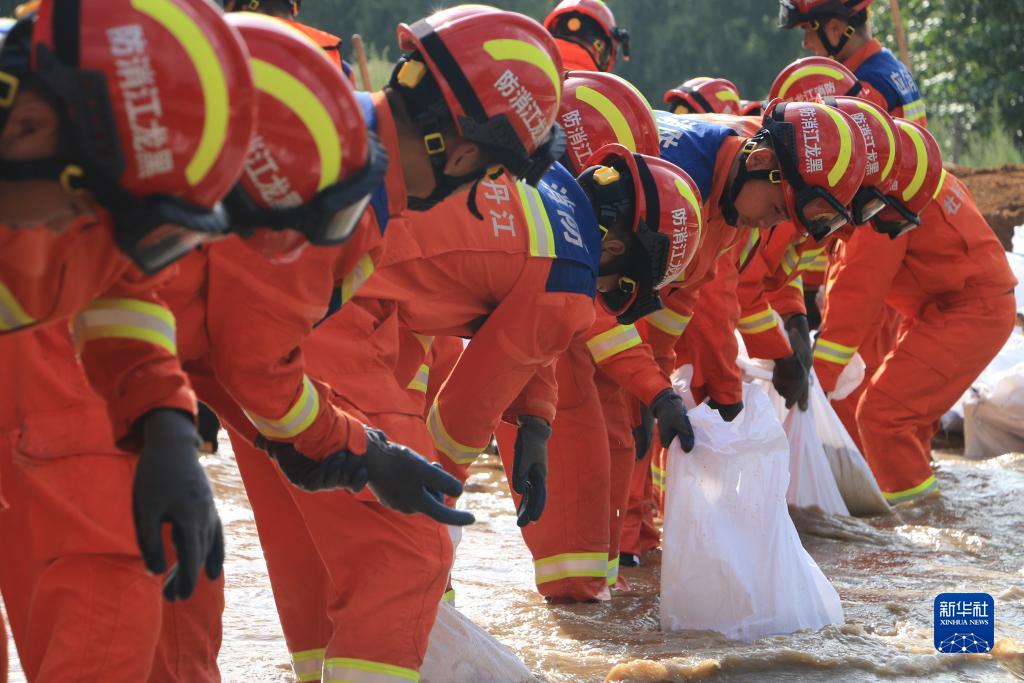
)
(964, 622)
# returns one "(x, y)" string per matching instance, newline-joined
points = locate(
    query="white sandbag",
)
(682, 383)
(732, 561)
(758, 371)
(994, 415)
(811, 482)
(853, 476)
(462, 652)
(850, 378)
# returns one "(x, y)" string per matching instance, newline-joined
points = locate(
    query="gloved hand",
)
(338, 470)
(643, 432)
(728, 411)
(403, 480)
(800, 339)
(171, 486)
(668, 408)
(790, 379)
(530, 468)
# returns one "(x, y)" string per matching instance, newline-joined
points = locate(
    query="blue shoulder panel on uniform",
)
(576, 234)
(333, 306)
(693, 146)
(379, 198)
(889, 76)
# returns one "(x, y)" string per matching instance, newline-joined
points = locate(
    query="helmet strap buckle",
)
(71, 178)
(8, 89)
(775, 176)
(434, 143)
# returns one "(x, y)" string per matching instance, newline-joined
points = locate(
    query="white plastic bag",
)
(853, 476)
(850, 378)
(758, 371)
(732, 560)
(811, 482)
(994, 415)
(462, 652)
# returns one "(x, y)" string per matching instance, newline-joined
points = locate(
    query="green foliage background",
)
(968, 55)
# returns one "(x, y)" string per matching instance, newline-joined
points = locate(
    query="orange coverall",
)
(950, 280)
(72, 556)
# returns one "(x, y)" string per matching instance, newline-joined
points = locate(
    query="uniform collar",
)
(866, 52)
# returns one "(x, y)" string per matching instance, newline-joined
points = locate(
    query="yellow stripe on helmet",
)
(922, 161)
(214, 85)
(298, 98)
(521, 51)
(834, 74)
(845, 145)
(607, 109)
(889, 133)
(727, 96)
(687, 193)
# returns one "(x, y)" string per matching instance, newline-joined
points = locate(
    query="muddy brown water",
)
(887, 571)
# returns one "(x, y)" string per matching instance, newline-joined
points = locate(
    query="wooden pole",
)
(901, 37)
(364, 70)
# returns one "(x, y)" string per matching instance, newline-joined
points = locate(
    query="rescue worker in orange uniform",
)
(587, 36)
(933, 257)
(441, 138)
(69, 211)
(704, 95)
(805, 165)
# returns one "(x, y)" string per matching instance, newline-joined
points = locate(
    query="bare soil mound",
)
(999, 193)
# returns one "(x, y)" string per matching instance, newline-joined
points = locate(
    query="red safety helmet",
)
(600, 109)
(157, 104)
(812, 78)
(751, 108)
(313, 162)
(661, 205)
(882, 142)
(254, 6)
(821, 162)
(814, 14)
(917, 180)
(499, 74)
(704, 95)
(590, 25)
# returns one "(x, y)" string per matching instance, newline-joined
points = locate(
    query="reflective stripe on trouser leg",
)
(570, 565)
(613, 570)
(126, 319)
(346, 670)
(308, 664)
(658, 476)
(914, 493)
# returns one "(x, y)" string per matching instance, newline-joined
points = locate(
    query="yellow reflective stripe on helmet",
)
(922, 161)
(521, 51)
(890, 134)
(298, 418)
(348, 670)
(419, 382)
(308, 664)
(12, 315)
(832, 352)
(758, 322)
(206, 62)
(687, 193)
(845, 146)
(126, 319)
(790, 260)
(301, 101)
(613, 571)
(905, 496)
(657, 477)
(542, 237)
(797, 284)
(834, 74)
(942, 184)
(614, 341)
(727, 96)
(669, 322)
(356, 279)
(611, 113)
(458, 453)
(570, 565)
(915, 111)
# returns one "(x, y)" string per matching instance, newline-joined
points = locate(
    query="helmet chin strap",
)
(833, 50)
(727, 203)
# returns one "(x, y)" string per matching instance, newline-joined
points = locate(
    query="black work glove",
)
(790, 379)
(800, 339)
(530, 468)
(338, 470)
(728, 411)
(668, 408)
(171, 486)
(644, 432)
(405, 481)
(813, 312)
